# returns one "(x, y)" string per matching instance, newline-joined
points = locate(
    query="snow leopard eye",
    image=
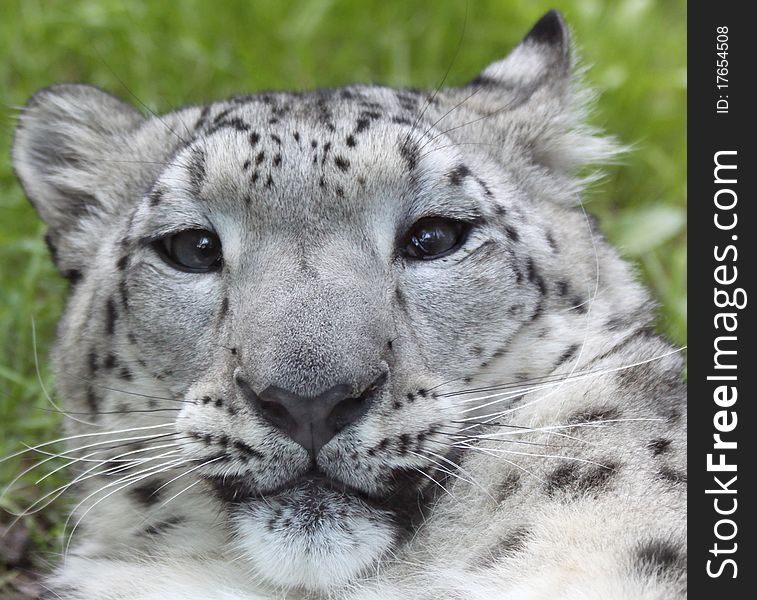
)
(434, 237)
(192, 250)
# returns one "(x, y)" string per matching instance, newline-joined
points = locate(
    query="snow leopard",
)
(361, 343)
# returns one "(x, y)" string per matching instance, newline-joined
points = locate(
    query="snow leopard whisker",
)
(118, 443)
(222, 455)
(430, 99)
(130, 479)
(52, 456)
(502, 386)
(114, 460)
(91, 382)
(110, 412)
(557, 456)
(85, 435)
(471, 122)
(455, 466)
(525, 431)
(435, 482)
(508, 461)
(139, 100)
(590, 303)
(164, 504)
(470, 437)
(455, 145)
(187, 488)
(41, 383)
(568, 379)
(85, 475)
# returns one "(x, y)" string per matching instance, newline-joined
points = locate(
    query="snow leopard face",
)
(301, 288)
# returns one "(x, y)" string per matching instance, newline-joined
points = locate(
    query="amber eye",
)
(434, 237)
(193, 250)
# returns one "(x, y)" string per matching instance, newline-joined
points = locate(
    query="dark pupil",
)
(435, 238)
(195, 249)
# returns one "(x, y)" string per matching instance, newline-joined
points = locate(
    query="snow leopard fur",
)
(494, 421)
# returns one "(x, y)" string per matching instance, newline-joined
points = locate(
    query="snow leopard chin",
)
(311, 537)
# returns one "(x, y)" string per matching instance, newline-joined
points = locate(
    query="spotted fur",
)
(527, 439)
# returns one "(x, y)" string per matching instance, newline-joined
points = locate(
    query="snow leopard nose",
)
(312, 421)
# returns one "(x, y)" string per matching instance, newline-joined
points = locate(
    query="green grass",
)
(170, 53)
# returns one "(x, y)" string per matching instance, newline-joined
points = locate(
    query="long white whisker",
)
(83, 435)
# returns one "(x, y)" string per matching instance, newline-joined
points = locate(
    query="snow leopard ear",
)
(541, 59)
(534, 104)
(63, 134)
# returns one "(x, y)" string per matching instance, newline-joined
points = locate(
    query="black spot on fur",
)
(660, 557)
(163, 526)
(401, 301)
(535, 277)
(551, 241)
(508, 487)
(73, 276)
(109, 362)
(247, 451)
(269, 181)
(246, 164)
(659, 446)
(110, 316)
(224, 307)
(125, 374)
(277, 160)
(296, 136)
(276, 139)
(156, 195)
(361, 125)
(567, 355)
(458, 174)
(147, 492)
(562, 288)
(203, 118)
(579, 305)
(512, 233)
(93, 402)
(339, 191)
(351, 141)
(599, 413)
(326, 150)
(672, 475)
(538, 312)
(254, 138)
(260, 157)
(487, 192)
(122, 263)
(197, 170)
(409, 152)
(512, 542)
(578, 481)
(234, 123)
(342, 163)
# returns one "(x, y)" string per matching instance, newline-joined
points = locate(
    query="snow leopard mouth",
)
(239, 490)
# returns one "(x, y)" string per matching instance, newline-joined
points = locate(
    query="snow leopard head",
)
(302, 289)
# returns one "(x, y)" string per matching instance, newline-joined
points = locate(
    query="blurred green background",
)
(171, 53)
